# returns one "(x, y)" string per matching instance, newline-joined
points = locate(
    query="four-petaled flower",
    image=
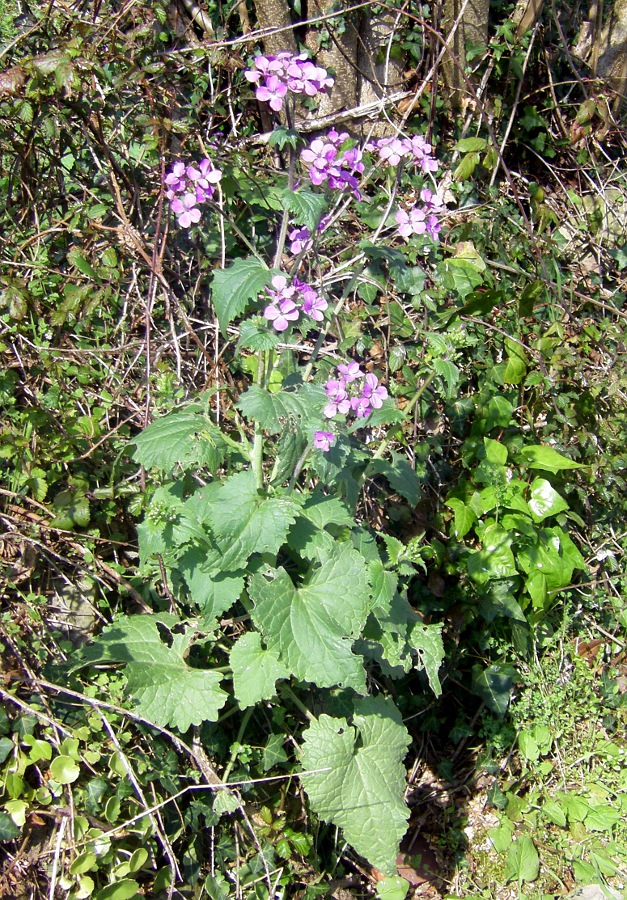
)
(323, 440)
(275, 76)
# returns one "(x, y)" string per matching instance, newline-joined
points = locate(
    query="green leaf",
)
(273, 752)
(494, 686)
(312, 627)
(395, 888)
(466, 166)
(120, 890)
(449, 372)
(426, 640)
(400, 474)
(603, 818)
(76, 258)
(307, 207)
(167, 690)
(544, 500)
(459, 275)
(212, 590)
(541, 457)
(184, 437)
(255, 670)
(244, 521)
(232, 289)
(271, 409)
(6, 746)
(555, 813)
(469, 145)
(528, 746)
(464, 517)
(495, 559)
(523, 862)
(64, 770)
(363, 791)
(8, 829)
(254, 334)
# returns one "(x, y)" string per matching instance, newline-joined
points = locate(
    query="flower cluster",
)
(327, 163)
(300, 238)
(420, 219)
(289, 301)
(391, 150)
(189, 185)
(276, 75)
(353, 392)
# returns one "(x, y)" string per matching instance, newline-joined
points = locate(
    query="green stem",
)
(288, 692)
(383, 446)
(298, 468)
(238, 740)
(350, 285)
(256, 456)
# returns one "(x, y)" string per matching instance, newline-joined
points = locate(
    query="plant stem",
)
(256, 456)
(288, 692)
(238, 740)
(383, 446)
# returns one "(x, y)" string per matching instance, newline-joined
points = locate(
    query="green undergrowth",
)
(223, 648)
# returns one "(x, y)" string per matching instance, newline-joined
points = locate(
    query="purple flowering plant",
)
(269, 520)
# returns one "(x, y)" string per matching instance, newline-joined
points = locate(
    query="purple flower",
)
(360, 406)
(189, 185)
(314, 305)
(299, 240)
(374, 392)
(276, 75)
(323, 440)
(350, 371)
(282, 315)
(411, 221)
(272, 92)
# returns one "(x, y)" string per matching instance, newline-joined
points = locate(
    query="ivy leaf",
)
(541, 457)
(306, 206)
(312, 627)
(363, 791)
(400, 474)
(233, 288)
(167, 690)
(495, 559)
(544, 500)
(244, 521)
(464, 517)
(255, 670)
(426, 640)
(493, 685)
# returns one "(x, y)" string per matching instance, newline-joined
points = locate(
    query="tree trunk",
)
(471, 17)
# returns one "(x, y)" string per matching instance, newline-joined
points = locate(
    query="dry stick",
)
(157, 823)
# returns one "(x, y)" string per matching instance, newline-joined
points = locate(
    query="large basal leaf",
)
(362, 791)
(212, 590)
(233, 288)
(244, 521)
(255, 670)
(187, 437)
(312, 627)
(166, 689)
